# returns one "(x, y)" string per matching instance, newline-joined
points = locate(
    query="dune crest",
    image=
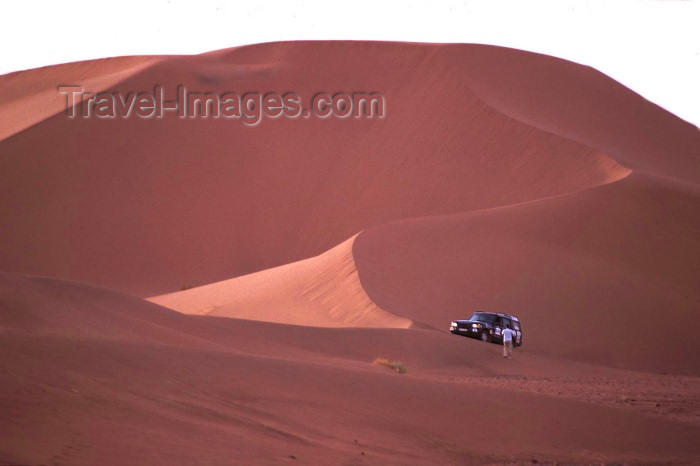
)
(322, 291)
(31, 96)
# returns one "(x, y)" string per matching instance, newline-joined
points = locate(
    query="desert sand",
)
(279, 261)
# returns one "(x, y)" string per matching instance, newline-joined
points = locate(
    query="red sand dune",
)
(110, 201)
(583, 271)
(498, 180)
(95, 377)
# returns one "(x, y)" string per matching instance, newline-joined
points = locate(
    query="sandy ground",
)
(92, 376)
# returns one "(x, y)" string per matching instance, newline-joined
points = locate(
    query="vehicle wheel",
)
(485, 336)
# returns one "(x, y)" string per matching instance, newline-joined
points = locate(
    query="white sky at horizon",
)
(651, 46)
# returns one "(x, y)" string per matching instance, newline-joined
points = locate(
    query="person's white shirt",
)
(508, 334)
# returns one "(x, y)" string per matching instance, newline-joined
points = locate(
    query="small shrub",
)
(397, 366)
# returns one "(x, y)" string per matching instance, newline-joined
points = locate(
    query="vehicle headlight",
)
(453, 324)
(476, 325)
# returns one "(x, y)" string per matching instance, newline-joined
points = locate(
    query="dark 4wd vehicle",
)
(487, 326)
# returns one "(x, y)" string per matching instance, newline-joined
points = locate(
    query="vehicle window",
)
(516, 325)
(481, 317)
(507, 322)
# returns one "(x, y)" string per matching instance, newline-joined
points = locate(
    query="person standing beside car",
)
(507, 335)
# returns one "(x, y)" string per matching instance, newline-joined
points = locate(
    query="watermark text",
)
(249, 108)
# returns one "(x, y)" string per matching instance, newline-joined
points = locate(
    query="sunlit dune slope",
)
(323, 291)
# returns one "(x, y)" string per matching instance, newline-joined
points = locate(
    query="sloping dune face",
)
(608, 275)
(150, 206)
(580, 103)
(323, 291)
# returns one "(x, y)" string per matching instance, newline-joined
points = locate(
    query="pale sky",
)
(651, 46)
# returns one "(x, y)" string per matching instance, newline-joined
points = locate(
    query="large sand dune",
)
(152, 206)
(298, 251)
